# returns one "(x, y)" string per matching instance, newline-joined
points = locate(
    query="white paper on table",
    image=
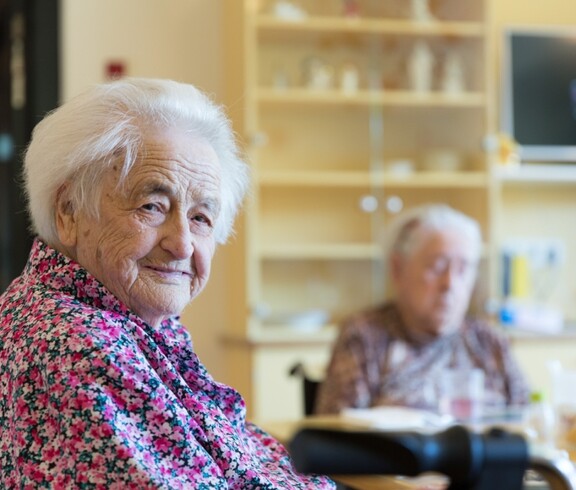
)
(397, 418)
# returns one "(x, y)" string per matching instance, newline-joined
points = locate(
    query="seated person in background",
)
(131, 186)
(396, 353)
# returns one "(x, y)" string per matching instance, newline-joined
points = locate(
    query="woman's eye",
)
(466, 268)
(438, 267)
(201, 218)
(151, 206)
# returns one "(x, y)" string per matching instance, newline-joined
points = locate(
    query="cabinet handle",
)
(368, 203)
(394, 204)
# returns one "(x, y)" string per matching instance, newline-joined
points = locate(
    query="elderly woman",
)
(131, 186)
(397, 353)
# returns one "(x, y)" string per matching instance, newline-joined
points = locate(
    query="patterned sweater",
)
(376, 362)
(93, 397)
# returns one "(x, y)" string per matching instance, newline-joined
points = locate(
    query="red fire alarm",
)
(115, 70)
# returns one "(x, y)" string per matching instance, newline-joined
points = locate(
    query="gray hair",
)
(78, 142)
(403, 236)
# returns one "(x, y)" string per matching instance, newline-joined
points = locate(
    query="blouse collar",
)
(64, 275)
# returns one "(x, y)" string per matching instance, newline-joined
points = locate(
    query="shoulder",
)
(484, 332)
(371, 323)
(59, 329)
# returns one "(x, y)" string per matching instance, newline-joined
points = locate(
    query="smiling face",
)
(434, 281)
(153, 242)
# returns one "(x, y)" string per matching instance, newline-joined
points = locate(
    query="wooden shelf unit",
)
(319, 154)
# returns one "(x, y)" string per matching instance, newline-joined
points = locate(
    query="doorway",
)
(29, 87)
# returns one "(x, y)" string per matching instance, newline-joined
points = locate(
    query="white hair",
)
(403, 233)
(78, 142)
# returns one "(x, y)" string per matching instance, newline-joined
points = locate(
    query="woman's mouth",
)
(170, 272)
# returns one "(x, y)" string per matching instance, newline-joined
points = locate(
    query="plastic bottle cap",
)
(536, 397)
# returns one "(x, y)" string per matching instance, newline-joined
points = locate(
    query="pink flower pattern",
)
(92, 397)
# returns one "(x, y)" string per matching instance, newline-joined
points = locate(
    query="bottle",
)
(541, 421)
(420, 67)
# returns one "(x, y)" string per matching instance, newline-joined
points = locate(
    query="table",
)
(284, 431)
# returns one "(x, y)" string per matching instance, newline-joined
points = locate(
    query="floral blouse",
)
(92, 397)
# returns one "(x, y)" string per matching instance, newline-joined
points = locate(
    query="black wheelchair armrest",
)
(494, 460)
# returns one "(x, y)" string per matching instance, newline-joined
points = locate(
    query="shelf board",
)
(371, 26)
(421, 179)
(401, 98)
(290, 178)
(537, 174)
(330, 251)
(285, 335)
(439, 180)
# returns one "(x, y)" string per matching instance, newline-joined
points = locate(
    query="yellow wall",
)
(177, 39)
(533, 12)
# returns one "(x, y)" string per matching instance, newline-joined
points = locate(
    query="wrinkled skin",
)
(153, 242)
(434, 282)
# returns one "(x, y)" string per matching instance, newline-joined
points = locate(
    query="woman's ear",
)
(66, 223)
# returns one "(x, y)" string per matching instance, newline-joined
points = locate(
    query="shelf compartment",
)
(334, 139)
(290, 216)
(380, 60)
(337, 287)
(330, 146)
(544, 212)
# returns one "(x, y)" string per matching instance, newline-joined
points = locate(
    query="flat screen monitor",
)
(539, 92)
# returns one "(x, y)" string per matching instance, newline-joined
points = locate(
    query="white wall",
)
(178, 39)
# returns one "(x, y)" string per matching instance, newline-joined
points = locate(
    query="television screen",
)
(539, 97)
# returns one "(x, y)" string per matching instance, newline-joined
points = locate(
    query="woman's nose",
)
(178, 238)
(449, 277)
